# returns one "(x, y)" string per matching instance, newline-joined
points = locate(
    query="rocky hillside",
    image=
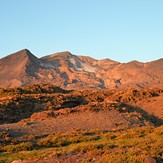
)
(142, 106)
(44, 123)
(77, 72)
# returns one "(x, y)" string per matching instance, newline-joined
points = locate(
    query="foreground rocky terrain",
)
(44, 123)
(78, 72)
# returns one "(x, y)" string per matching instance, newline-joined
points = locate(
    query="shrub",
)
(25, 146)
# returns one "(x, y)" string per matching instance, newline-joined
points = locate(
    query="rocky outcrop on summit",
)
(77, 72)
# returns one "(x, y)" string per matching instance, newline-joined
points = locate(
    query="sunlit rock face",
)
(78, 72)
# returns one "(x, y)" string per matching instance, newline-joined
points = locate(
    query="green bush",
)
(25, 146)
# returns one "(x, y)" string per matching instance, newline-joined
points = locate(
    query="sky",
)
(121, 30)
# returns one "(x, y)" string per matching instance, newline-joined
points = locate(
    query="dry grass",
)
(132, 145)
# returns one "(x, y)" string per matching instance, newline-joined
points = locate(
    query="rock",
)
(149, 160)
(124, 109)
(16, 161)
(42, 115)
(22, 123)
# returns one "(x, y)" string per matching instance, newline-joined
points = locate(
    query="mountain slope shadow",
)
(148, 117)
(23, 107)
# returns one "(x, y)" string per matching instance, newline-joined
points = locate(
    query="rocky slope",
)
(44, 123)
(77, 72)
(39, 102)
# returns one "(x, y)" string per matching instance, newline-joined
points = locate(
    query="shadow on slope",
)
(22, 107)
(151, 118)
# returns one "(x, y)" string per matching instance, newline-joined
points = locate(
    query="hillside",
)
(22, 102)
(70, 71)
(44, 123)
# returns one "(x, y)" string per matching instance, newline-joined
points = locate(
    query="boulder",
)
(149, 160)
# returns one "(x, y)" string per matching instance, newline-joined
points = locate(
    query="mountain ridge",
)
(71, 71)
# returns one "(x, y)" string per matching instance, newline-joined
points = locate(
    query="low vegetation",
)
(141, 136)
(132, 145)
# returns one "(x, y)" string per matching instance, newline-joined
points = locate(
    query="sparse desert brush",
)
(97, 152)
(53, 141)
(44, 142)
(83, 147)
(94, 132)
(159, 130)
(66, 139)
(25, 146)
(29, 137)
(111, 135)
(92, 148)
(87, 160)
(114, 146)
(127, 136)
(78, 148)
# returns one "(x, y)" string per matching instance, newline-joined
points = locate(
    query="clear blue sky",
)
(121, 30)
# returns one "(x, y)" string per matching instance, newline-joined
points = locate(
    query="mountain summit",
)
(77, 72)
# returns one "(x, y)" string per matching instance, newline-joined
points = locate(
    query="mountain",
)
(77, 72)
(18, 69)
